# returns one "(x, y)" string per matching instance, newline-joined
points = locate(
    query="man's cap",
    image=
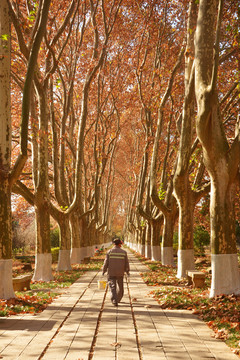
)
(117, 241)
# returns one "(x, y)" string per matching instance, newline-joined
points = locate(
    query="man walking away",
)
(116, 263)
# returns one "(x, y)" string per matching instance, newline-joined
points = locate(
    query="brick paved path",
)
(82, 324)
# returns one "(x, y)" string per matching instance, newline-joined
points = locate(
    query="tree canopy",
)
(125, 119)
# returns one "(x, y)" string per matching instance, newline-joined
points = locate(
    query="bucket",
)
(101, 284)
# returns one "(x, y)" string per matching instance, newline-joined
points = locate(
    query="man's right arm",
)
(127, 268)
(106, 263)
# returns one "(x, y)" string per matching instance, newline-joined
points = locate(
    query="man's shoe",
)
(114, 303)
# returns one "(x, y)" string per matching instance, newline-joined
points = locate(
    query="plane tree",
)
(188, 193)
(40, 118)
(221, 154)
(8, 175)
(100, 24)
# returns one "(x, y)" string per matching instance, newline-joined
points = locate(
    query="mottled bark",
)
(85, 236)
(182, 187)
(5, 219)
(6, 289)
(40, 27)
(7, 178)
(41, 183)
(75, 237)
(42, 270)
(5, 139)
(167, 235)
(64, 262)
(156, 227)
(148, 242)
(142, 241)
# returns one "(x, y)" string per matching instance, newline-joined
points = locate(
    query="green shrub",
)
(55, 253)
(201, 238)
(54, 237)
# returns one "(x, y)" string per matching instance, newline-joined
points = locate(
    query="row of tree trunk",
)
(80, 210)
(221, 160)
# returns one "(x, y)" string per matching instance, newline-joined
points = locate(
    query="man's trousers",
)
(116, 287)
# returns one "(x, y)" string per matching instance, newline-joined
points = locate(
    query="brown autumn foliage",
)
(131, 60)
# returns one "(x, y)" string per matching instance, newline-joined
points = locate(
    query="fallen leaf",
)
(195, 312)
(116, 344)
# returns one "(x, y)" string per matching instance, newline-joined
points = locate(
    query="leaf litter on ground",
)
(221, 313)
(43, 293)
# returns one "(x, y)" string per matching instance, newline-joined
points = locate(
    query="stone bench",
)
(22, 282)
(195, 278)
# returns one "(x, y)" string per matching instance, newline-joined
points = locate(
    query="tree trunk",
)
(155, 240)
(137, 239)
(142, 241)
(221, 160)
(6, 288)
(185, 238)
(43, 261)
(91, 239)
(5, 127)
(84, 238)
(148, 242)
(130, 239)
(182, 187)
(167, 239)
(225, 268)
(64, 262)
(76, 257)
(185, 227)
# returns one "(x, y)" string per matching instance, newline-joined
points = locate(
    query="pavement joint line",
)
(179, 337)
(116, 336)
(171, 324)
(66, 317)
(29, 319)
(154, 325)
(134, 322)
(91, 351)
(78, 327)
(164, 350)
